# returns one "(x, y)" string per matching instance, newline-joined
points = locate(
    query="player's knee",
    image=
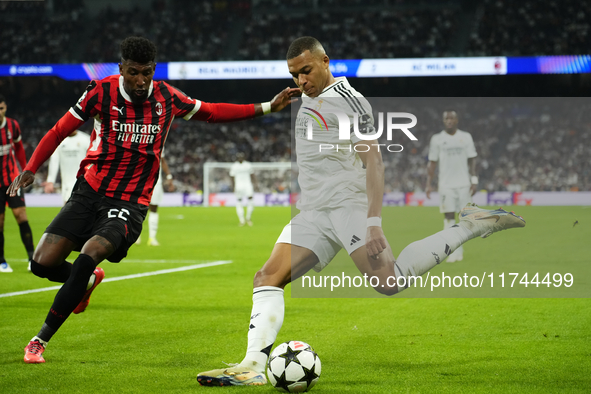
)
(20, 214)
(40, 270)
(260, 278)
(387, 290)
(264, 278)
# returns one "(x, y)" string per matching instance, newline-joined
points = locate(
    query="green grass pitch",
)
(154, 334)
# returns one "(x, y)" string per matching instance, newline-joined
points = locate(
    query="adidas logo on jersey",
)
(355, 239)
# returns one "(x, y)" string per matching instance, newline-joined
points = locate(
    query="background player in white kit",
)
(66, 159)
(243, 182)
(157, 195)
(341, 196)
(455, 151)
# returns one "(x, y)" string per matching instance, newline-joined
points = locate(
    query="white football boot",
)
(236, 375)
(484, 222)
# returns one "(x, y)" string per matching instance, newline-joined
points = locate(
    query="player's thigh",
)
(350, 224)
(17, 204)
(20, 214)
(76, 218)
(53, 249)
(464, 197)
(286, 263)
(240, 194)
(448, 201)
(381, 268)
(119, 223)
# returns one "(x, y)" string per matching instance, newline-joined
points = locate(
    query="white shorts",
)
(325, 232)
(67, 190)
(158, 192)
(244, 191)
(453, 200)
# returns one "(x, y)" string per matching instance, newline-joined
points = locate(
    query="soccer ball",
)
(294, 367)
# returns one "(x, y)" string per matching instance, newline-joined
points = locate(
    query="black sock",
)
(71, 293)
(60, 274)
(46, 332)
(27, 238)
(2, 246)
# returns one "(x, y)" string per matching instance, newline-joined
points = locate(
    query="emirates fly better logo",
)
(362, 128)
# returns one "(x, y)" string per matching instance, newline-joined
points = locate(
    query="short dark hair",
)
(138, 49)
(2, 98)
(302, 44)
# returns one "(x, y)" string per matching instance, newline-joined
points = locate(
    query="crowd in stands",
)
(65, 31)
(509, 28)
(523, 144)
(520, 147)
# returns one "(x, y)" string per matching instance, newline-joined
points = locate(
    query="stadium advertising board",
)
(362, 68)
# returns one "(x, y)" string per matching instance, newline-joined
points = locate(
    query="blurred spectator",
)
(508, 28)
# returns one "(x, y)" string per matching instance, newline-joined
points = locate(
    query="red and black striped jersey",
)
(10, 134)
(123, 159)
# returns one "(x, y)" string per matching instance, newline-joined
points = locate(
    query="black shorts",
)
(13, 202)
(88, 213)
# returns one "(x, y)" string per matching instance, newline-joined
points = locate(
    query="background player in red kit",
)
(11, 146)
(103, 218)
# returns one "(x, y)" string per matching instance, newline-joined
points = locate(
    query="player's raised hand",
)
(375, 242)
(25, 179)
(284, 98)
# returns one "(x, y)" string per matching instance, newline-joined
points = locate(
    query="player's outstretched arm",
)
(48, 144)
(280, 101)
(224, 112)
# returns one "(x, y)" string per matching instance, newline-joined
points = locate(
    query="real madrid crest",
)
(319, 105)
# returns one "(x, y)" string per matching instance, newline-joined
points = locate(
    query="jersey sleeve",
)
(183, 105)
(52, 139)
(233, 170)
(364, 127)
(358, 106)
(16, 132)
(433, 149)
(250, 169)
(85, 108)
(471, 148)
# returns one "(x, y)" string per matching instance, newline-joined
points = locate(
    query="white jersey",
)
(67, 158)
(241, 173)
(328, 177)
(452, 152)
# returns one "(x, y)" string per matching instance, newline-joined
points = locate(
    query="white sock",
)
(36, 338)
(249, 208)
(153, 225)
(266, 320)
(420, 256)
(240, 211)
(90, 281)
(447, 223)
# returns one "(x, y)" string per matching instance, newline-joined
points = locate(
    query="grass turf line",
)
(154, 334)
